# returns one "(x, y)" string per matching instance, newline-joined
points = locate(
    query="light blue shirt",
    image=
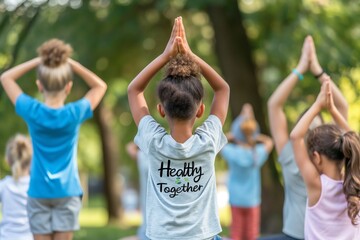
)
(244, 181)
(54, 134)
(295, 194)
(181, 190)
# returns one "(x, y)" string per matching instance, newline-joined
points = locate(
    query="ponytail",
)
(351, 150)
(19, 154)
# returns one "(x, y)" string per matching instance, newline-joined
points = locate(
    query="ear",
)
(200, 110)
(39, 86)
(317, 159)
(161, 110)
(68, 87)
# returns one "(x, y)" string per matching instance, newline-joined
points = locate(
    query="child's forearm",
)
(221, 89)
(302, 126)
(90, 78)
(215, 80)
(281, 94)
(139, 83)
(339, 99)
(19, 70)
(339, 119)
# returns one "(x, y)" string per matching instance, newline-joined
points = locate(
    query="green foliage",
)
(116, 39)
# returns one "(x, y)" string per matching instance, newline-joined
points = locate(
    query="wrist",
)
(298, 73)
(319, 74)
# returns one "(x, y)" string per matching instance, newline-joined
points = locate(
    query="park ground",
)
(93, 220)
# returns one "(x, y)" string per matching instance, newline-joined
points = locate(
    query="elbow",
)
(227, 87)
(104, 86)
(272, 103)
(294, 136)
(3, 77)
(130, 89)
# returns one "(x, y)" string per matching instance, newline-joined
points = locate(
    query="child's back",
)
(55, 191)
(54, 134)
(13, 191)
(181, 196)
(181, 199)
(332, 210)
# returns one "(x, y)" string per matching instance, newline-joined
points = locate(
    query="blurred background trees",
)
(253, 43)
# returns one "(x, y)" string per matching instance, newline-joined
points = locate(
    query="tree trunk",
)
(110, 146)
(235, 60)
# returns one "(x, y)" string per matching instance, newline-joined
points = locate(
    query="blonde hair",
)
(248, 128)
(54, 72)
(18, 154)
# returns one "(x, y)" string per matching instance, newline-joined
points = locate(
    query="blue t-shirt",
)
(244, 181)
(54, 134)
(181, 190)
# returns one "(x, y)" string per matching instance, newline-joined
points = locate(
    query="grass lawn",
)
(93, 221)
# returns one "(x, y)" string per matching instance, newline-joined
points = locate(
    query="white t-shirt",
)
(13, 196)
(181, 194)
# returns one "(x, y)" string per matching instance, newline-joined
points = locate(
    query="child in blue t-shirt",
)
(13, 190)
(181, 193)
(245, 154)
(54, 192)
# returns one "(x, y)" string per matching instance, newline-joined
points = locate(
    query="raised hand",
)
(315, 67)
(324, 98)
(172, 48)
(329, 98)
(304, 61)
(184, 47)
(247, 111)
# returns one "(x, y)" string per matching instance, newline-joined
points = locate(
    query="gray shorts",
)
(53, 214)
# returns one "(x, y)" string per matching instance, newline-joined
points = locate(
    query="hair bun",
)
(54, 53)
(183, 65)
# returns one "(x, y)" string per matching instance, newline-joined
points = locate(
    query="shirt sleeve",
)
(213, 128)
(24, 105)
(82, 109)
(261, 155)
(147, 129)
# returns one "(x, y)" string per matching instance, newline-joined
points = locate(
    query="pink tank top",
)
(328, 219)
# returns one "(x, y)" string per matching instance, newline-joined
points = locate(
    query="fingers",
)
(180, 45)
(175, 29)
(182, 31)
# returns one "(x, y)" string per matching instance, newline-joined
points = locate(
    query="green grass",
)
(93, 221)
(103, 233)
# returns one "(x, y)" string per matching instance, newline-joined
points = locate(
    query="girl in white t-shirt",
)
(13, 190)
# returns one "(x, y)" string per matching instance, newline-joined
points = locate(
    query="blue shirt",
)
(244, 181)
(54, 134)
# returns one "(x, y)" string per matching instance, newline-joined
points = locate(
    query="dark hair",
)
(330, 141)
(181, 91)
(54, 72)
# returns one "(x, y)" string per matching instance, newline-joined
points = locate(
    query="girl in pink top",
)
(329, 161)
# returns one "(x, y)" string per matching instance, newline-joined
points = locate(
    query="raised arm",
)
(267, 141)
(316, 69)
(308, 170)
(330, 105)
(8, 78)
(221, 89)
(97, 85)
(276, 102)
(136, 88)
